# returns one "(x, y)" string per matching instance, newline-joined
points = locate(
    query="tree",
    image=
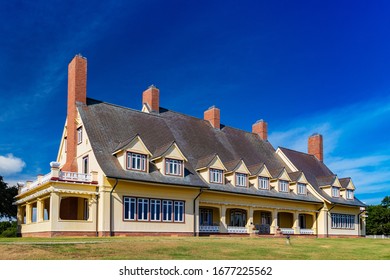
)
(378, 220)
(7, 194)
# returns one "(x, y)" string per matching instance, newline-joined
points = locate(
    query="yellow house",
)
(121, 171)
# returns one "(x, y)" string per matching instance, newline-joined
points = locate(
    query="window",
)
(173, 167)
(167, 210)
(80, 135)
(136, 161)
(301, 188)
(216, 176)
(264, 183)
(143, 209)
(283, 186)
(85, 165)
(130, 208)
(335, 192)
(66, 144)
(349, 194)
(179, 211)
(343, 221)
(241, 180)
(86, 210)
(155, 210)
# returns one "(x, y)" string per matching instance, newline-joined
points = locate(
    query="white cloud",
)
(10, 164)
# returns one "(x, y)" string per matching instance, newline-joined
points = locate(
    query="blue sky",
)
(303, 66)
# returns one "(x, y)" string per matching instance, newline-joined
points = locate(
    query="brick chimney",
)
(77, 92)
(213, 115)
(315, 146)
(151, 96)
(260, 128)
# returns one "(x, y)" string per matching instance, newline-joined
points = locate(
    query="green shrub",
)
(8, 229)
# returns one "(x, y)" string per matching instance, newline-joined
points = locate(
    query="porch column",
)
(28, 213)
(274, 223)
(39, 210)
(296, 227)
(314, 227)
(222, 224)
(250, 224)
(54, 210)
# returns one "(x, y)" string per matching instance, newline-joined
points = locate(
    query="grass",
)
(193, 248)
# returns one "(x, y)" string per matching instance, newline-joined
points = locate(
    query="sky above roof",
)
(302, 66)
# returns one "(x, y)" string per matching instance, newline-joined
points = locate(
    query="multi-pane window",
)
(216, 176)
(283, 186)
(241, 179)
(335, 192)
(343, 221)
(143, 209)
(173, 167)
(136, 161)
(167, 210)
(179, 211)
(349, 194)
(130, 208)
(206, 217)
(301, 188)
(264, 183)
(155, 210)
(79, 135)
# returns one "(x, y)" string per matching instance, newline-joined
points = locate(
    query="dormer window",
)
(216, 176)
(349, 194)
(335, 192)
(301, 188)
(241, 179)
(283, 186)
(136, 161)
(264, 183)
(173, 167)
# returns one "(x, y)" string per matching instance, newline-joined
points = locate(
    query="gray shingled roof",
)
(318, 174)
(110, 127)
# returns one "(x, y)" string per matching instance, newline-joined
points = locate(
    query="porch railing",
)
(74, 176)
(306, 231)
(209, 228)
(287, 230)
(232, 229)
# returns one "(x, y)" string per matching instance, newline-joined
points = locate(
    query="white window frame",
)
(80, 135)
(173, 167)
(178, 211)
(335, 192)
(216, 176)
(142, 209)
(301, 188)
(131, 213)
(155, 210)
(349, 194)
(136, 161)
(241, 179)
(167, 216)
(263, 183)
(342, 221)
(283, 186)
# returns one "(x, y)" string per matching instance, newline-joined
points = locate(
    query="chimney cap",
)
(212, 107)
(259, 121)
(315, 134)
(152, 86)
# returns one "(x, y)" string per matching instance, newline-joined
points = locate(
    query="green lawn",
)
(194, 248)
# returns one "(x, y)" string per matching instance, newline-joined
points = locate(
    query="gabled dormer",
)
(331, 185)
(211, 169)
(170, 160)
(298, 182)
(260, 176)
(133, 154)
(237, 173)
(280, 180)
(347, 188)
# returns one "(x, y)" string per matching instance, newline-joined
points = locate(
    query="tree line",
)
(378, 220)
